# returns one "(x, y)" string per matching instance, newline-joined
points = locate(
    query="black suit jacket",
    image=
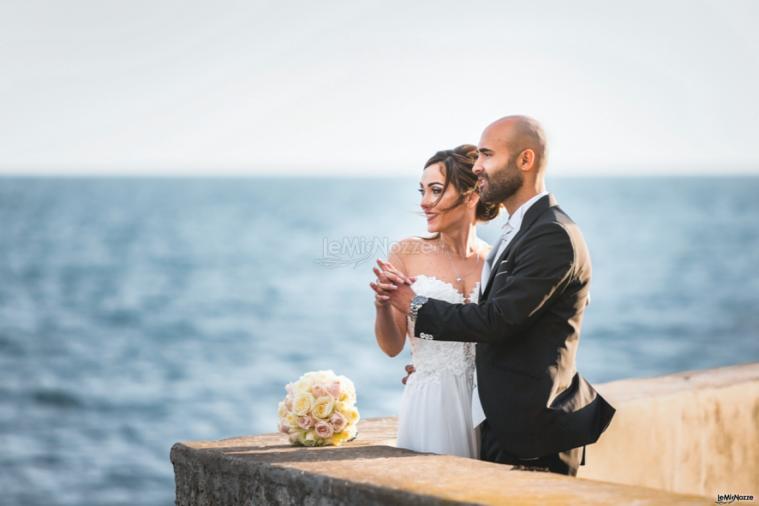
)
(527, 329)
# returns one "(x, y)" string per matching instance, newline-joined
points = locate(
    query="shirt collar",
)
(514, 221)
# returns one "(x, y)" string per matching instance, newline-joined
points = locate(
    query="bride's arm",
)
(390, 324)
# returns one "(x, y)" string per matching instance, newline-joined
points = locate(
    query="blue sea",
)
(137, 312)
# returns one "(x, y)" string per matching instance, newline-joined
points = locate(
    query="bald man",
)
(532, 407)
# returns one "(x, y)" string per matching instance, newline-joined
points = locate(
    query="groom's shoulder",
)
(559, 217)
(564, 226)
(555, 222)
(558, 214)
(562, 218)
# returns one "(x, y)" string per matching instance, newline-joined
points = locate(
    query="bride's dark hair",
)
(457, 169)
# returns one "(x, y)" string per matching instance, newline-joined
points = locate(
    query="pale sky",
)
(374, 87)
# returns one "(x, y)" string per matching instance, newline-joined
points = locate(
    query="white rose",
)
(303, 403)
(324, 406)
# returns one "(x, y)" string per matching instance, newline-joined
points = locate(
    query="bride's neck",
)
(461, 241)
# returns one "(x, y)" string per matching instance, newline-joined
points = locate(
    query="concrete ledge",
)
(267, 470)
(691, 432)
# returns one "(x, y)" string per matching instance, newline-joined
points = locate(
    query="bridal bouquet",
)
(319, 409)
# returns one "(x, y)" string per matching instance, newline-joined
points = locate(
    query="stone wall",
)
(677, 439)
(693, 432)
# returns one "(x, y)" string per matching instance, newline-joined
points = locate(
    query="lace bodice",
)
(432, 358)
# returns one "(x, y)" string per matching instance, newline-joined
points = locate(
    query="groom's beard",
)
(503, 184)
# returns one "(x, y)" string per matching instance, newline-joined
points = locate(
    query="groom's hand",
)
(410, 369)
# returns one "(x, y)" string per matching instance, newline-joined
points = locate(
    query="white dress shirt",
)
(510, 229)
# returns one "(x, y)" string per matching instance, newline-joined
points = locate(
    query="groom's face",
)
(498, 176)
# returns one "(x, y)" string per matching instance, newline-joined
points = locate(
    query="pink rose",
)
(284, 428)
(305, 422)
(335, 389)
(318, 391)
(338, 421)
(323, 429)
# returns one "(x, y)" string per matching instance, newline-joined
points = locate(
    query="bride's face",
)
(440, 214)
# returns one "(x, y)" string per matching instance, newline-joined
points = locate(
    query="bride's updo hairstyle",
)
(457, 169)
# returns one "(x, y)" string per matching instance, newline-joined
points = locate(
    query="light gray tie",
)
(478, 414)
(498, 248)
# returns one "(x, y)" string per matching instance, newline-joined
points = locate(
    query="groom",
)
(534, 409)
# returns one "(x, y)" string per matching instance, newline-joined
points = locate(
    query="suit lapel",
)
(530, 216)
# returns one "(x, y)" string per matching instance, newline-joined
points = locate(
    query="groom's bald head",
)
(511, 162)
(520, 133)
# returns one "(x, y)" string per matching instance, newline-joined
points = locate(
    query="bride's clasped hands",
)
(392, 287)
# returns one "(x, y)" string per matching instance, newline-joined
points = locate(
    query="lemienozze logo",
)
(731, 498)
(351, 251)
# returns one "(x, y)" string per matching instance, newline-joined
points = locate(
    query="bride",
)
(435, 412)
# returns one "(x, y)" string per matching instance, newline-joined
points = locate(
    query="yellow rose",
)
(347, 396)
(291, 419)
(343, 407)
(339, 438)
(348, 389)
(352, 415)
(282, 410)
(303, 403)
(323, 407)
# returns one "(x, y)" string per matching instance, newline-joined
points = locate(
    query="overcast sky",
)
(365, 87)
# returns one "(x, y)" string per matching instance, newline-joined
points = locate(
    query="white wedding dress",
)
(436, 408)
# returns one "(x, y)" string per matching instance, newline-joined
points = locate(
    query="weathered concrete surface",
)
(267, 470)
(693, 432)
